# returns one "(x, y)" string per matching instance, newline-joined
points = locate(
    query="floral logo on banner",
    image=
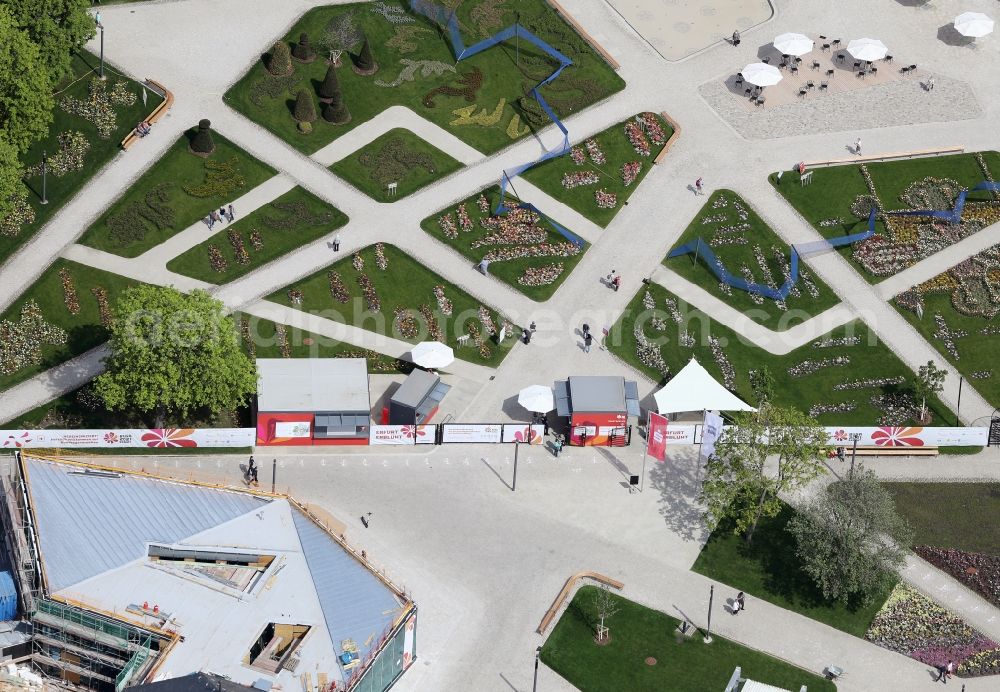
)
(407, 431)
(898, 437)
(840, 435)
(17, 440)
(110, 438)
(527, 436)
(169, 437)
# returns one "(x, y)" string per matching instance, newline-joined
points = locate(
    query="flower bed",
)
(70, 298)
(637, 138)
(649, 354)
(239, 250)
(579, 179)
(21, 342)
(103, 306)
(444, 305)
(808, 367)
(630, 171)
(380, 260)
(605, 199)
(541, 276)
(295, 297)
(913, 625)
(216, 259)
(979, 571)
(728, 373)
(405, 323)
(368, 290)
(337, 288)
(256, 240)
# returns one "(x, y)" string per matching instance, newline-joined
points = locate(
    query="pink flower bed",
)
(637, 138)
(630, 171)
(979, 571)
(652, 125)
(605, 199)
(579, 179)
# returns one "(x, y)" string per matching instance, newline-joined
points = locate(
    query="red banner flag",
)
(656, 437)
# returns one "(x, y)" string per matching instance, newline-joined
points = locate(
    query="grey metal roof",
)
(597, 394)
(313, 384)
(88, 524)
(417, 385)
(194, 682)
(355, 603)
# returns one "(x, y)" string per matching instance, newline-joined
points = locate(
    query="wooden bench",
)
(673, 138)
(567, 588)
(919, 153)
(158, 112)
(875, 451)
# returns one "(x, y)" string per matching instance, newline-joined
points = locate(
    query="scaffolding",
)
(72, 646)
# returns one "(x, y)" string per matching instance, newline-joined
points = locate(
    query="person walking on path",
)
(251, 471)
(930, 83)
(698, 186)
(483, 266)
(742, 600)
(857, 146)
(336, 243)
(587, 341)
(557, 445)
(224, 214)
(945, 672)
(736, 38)
(231, 214)
(216, 217)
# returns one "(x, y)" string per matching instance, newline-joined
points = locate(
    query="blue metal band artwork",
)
(699, 247)
(446, 18)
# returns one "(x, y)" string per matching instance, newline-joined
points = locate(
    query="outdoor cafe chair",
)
(836, 43)
(857, 65)
(887, 58)
(830, 73)
(815, 64)
(760, 101)
(802, 91)
(793, 69)
(825, 47)
(823, 86)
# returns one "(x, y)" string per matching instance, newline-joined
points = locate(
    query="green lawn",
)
(638, 632)
(292, 220)
(723, 210)
(61, 189)
(398, 156)
(951, 515)
(977, 351)
(83, 330)
(504, 73)
(404, 284)
(768, 569)
(508, 271)
(262, 341)
(177, 209)
(618, 151)
(835, 188)
(868, 359)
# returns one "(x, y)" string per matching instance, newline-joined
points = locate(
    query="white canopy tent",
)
(693, 389)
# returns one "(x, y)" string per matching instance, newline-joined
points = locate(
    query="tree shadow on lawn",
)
(774, 550)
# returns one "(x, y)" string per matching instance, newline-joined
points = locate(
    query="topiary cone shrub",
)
(305, 109)
(202, 143)
(329, 89)
(336, 112)
(365, 63)
(302, 51)
(280, 61)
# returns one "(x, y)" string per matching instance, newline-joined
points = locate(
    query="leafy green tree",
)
(25, 89)
(172, 353)
(280, 62)
(760, 457)
(305, 109)
(762, 384)
(10, 176)
(930, 381)
(850, 539)
(366, 61)
(58, 27)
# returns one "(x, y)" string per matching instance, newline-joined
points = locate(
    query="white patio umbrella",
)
(867, 49)
(760, 74)
(793, 44)
(432, 354)
(537, 398)
(974, 24)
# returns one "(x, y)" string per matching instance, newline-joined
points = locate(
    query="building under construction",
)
(128, 578)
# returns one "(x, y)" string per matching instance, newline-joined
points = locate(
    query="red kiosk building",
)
(597, 408)
(313, 401)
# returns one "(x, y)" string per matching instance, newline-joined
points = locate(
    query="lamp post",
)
(958, 409)
(100, 25)
(855, 438)
(513, 485)
(274, 474)
(534, 685)
(45, 171)
(708, 631)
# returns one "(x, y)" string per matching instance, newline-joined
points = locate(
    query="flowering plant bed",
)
(807, 378)
(750, 249)
(834, 207)
(979, 571)
(417, 69)
(72, 300)
(915, 626)
(398, 156)
(616, 159)
(293, 220)
(398, 302)
(522, 247)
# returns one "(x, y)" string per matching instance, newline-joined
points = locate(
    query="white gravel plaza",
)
(483, 561)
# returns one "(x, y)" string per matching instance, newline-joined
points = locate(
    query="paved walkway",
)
(775, 342)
